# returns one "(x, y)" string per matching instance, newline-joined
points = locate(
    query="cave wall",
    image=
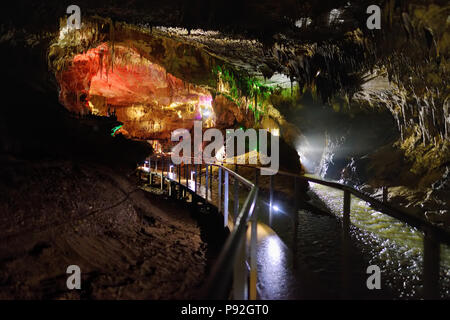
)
(149, 101)
(334, 60)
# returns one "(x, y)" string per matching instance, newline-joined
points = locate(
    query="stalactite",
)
(292, 87)
(101, 62)
(112, 42)
(107, 67)
(447, 118)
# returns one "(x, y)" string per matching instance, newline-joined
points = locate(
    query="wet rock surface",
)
(438, 201)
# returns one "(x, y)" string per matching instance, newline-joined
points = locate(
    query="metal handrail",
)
(397, 213)
(219, 279)
(232, 262)
(433, 235)
(221, 272)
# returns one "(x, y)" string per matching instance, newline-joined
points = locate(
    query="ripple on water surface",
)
(387, 242)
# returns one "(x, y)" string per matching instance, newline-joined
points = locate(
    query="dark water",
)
(392, 245)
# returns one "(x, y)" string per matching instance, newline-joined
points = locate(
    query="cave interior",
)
(368, 108)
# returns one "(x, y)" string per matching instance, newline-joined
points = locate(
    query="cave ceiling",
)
(323, 45)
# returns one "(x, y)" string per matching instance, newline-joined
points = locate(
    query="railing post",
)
(199, 171)
(219, 190)
(168, 167)
(195, 178)
(385, 194)
(346, 274)
(294, 243)
(188, 174)
(206, 182)
(270, 200)
(240, 290)
(187, 180)
(162, 166)
(431, 265)
(225, 199)
(184, 173)
(253, 256)
(150, 178)
(179, 181)
(236, 196)
(162, 173)
(346, 211)
(211, 178)
(149, 171)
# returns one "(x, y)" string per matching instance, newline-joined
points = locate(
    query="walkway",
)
(320, 260)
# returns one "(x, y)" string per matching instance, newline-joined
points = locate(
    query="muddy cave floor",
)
(129, 244)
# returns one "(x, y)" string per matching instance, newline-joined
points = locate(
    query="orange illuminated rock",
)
(149, 101)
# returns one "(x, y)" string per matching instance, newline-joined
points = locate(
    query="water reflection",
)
(273, 272)
(393, 245)
(274, 250)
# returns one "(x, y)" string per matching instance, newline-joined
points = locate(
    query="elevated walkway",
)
(289, 252)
